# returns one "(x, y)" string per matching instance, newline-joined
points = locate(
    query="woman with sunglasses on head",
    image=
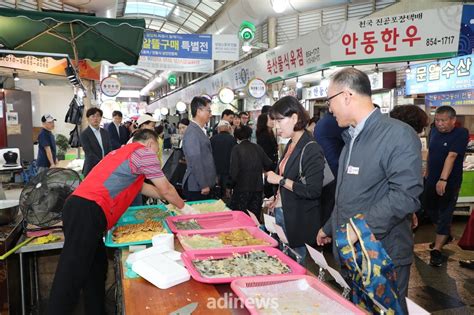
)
(299, 175)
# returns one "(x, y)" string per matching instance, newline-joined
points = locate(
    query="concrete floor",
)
(440, 290)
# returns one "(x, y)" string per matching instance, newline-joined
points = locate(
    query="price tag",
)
(281, 234)
(254, 218)
(318, 257)
(337, 276)
(269, 223)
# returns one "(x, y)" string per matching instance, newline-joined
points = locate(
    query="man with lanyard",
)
(447, 146)
(379, 172)
(95, 207)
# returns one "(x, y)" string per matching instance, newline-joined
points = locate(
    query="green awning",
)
(79, 36)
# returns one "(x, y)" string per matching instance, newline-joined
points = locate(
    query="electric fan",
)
(43, 198)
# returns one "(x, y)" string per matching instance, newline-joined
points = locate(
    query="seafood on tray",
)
(239, 237)
(151, 214)
(204, 207)
(191, 224)
(253, 263)
(137, 232)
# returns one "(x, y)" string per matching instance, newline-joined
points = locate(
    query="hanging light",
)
(164, 111)
(376, 68)
(299, 84)
(181, 106)
(408, 69)
(279, 5)
(438, 65)
(15, 76)
(246, 47)
(284, 87)
(322, 74)
(172, 87)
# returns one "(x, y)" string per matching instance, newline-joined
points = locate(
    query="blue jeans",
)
(280, 220)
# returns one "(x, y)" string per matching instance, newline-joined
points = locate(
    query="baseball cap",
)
(145, 118)
(47, 118)
(223, 123)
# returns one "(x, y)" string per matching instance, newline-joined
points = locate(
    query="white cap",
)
(145, 118)
(47, 118)
(222, 123)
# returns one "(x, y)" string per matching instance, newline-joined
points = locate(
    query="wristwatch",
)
(282, 181)
(443, 179)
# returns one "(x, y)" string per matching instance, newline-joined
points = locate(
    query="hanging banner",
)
(418, 35)
(190, 46)
(176, 64)
(450, 98)
(225, 47)
(448, 75)
(307, 54)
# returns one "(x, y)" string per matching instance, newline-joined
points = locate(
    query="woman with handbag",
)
(299, 175)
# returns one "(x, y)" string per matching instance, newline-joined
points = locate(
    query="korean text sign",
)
(190, 46)
(448, 75)
(434, 31)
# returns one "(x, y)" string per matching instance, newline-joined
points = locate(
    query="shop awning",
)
(79, 36)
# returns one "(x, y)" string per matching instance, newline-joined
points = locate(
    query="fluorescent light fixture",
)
(181, 106)
(299, 84)
(15, 76)
(279, 5)
(164, 111)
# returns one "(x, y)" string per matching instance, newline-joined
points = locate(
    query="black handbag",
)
(74, 113)
(175, 167)
(74, 138)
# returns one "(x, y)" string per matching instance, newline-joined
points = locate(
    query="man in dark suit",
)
(200, 174)
(222, 145)
(95, 140)
(118, 134)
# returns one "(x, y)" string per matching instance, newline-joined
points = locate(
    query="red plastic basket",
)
(210, 221)
(189, 256)
(254, 231)
(271, 284)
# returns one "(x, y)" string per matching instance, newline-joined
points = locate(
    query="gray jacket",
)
(201, 171)
(387, 153)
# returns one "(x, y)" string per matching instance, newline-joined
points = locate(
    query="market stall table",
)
(138, 296)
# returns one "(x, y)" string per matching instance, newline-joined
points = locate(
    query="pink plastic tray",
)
(216, 220)
(189, 256)
(238, 284)
(254, 231)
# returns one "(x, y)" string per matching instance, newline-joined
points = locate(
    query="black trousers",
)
(83, 261)
(245, 200)
(194, 195)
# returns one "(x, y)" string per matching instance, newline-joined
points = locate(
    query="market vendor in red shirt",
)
(95, 207)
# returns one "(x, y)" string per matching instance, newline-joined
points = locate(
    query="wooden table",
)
(139, 296)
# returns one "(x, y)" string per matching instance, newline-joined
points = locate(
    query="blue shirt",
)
(45, 139)
(440, 144)
(328, 134)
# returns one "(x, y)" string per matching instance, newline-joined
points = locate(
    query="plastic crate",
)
(280, 288)
(189, 256)
(129, 214)
(109, 242)
(214, 220)
(254, 231)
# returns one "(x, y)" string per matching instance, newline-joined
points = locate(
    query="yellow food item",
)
(240, 237)
(137, 232)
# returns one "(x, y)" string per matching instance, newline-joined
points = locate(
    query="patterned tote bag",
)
(371, 269)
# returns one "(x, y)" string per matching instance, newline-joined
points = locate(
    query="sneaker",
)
(467, 264)
(449, 240)
(436, 258)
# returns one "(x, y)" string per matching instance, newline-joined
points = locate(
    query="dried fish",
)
(253, 263)
(187, 225)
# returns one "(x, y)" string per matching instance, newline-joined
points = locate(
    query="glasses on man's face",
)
(328, 100)
(206, 109)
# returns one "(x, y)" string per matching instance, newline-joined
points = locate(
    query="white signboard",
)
(225, 47)
(257, 88)
(176, 64)
(415, 34)
(226, 95)
(110, 86)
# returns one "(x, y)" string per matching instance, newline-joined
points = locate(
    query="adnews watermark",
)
(230, 301)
